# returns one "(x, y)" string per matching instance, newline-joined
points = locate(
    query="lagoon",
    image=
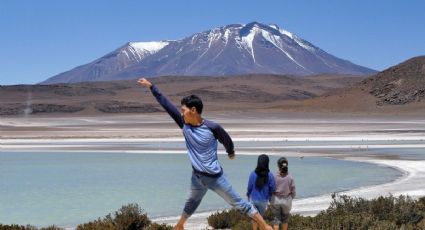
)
(69, 188)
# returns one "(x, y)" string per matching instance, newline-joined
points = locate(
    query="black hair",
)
(193, 101)
(262, 171)
(282, 164)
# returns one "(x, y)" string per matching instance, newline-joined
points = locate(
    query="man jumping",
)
(201, 137)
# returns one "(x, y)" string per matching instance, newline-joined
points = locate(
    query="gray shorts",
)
(280, 208)
(280, 214)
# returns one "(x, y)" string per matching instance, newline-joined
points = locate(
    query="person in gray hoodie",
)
(281, 202)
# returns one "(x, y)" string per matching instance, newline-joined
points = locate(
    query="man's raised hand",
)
(144, 82)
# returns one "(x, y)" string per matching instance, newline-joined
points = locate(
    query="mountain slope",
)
(398, 89)
(400, 84)
(251, 92)
(229, 50)
(121, 58)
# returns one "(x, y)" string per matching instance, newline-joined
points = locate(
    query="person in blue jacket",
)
(201, 137)
(261, 186)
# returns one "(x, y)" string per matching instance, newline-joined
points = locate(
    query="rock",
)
(125, 107)
(20, 108)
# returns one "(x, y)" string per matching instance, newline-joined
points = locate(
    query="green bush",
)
(156, 226)
(347, 212)
(51, 228)
(227, 219)
(129, 217)
(234, 219)
(17, 227)
(344, 213)
(28, 227)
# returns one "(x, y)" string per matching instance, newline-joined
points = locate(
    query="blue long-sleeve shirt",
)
(263, 194)
(201, 141)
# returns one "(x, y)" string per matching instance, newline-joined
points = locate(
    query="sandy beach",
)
(389, 142)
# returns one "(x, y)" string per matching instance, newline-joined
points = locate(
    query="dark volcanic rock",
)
(11, 109)
(53, 108)
(125, 107)
(400, 84)
(245, 93)
(61, 89)
(82, 91)
(21, 109)
(239, 93)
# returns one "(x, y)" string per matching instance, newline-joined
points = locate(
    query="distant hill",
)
(249, 92)
(228, 50)
(400, 84)
(398, 89)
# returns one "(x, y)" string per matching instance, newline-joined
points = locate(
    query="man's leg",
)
(224, 189)
(254, 225)
(259, 219)
(180, 224)
(197, 192)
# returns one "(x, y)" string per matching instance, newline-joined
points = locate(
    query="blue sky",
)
(45, 37)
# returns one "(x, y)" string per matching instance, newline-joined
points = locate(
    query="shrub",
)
(156, 226)
(243, 225)
(227, 219)
(28, 227)
(346, 213)
(357, 213)
(17, 227)
(420, 205)
(129, 217)
(51, 228)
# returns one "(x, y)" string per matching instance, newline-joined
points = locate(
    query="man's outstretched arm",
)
(163, 101)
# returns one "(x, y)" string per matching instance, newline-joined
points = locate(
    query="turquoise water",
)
(66, 189)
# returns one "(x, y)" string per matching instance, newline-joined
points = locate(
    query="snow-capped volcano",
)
(228, 50)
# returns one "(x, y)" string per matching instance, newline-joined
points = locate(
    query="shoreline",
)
(311, 206)
(412, 172)
(378, 140)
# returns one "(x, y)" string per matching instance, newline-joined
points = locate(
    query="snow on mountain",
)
(142, 49)
(227, 50)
